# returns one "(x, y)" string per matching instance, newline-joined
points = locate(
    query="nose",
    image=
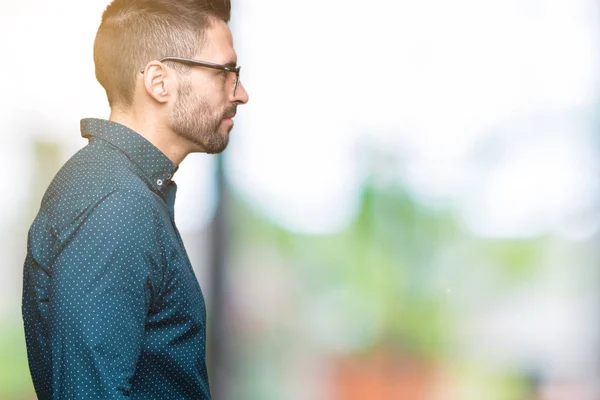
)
(241, 95)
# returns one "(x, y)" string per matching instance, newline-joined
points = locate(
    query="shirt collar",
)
(157, 167)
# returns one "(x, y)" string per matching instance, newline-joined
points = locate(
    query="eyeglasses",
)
(206, 64)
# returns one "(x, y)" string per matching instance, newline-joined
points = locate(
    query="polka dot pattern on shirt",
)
(111, 305)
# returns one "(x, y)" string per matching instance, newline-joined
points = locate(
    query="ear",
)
(157, 81)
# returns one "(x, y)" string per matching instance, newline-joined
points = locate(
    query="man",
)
(111, 306)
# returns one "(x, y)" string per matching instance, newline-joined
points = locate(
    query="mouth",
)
(230, 114)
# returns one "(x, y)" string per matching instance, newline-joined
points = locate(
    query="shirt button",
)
(159, 182)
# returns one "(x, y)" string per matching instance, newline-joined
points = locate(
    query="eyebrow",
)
(231, 64)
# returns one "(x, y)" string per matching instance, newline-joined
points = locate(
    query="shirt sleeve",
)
(101, 291)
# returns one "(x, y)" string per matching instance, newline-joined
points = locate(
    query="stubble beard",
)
(197, 121)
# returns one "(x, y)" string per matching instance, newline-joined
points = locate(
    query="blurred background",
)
(409, 207)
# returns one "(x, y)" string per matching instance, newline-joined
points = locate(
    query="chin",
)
(217, 146)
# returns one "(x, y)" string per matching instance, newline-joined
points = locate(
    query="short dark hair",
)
(134, 32)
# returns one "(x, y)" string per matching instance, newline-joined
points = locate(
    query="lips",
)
(230, 114)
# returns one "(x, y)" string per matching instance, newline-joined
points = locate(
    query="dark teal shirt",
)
(111, 306)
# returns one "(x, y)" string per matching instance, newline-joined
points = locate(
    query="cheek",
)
(210, 96)
(210, 86)
(218, 104)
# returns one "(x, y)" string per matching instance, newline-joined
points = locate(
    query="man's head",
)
(192, 101)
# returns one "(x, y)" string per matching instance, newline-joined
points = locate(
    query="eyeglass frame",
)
(206, 64)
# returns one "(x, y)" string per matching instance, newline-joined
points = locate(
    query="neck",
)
(160, 136)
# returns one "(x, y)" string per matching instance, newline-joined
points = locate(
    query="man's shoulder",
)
(116, 210)
(89, 174)
(95, 180)
(96, 165)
